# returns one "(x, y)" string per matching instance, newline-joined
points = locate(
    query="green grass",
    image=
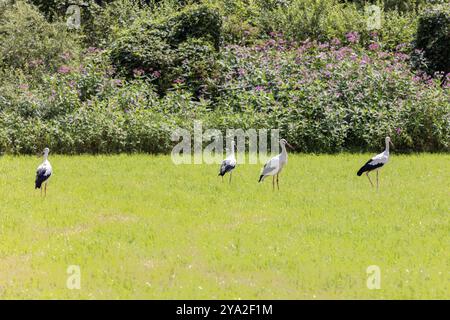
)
(141, 227)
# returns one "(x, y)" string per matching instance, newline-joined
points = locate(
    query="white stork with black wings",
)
(44, 172)
(376, 162)
(274, 166)
(229, 163)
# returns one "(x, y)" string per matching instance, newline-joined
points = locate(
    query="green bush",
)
(51, 9)
(4, 143)
(165, 49)
(144, 47)
(433, 36)
(58, 93)
(101, 23)
(28, 40)
(247, 22)
(397, 29)
(314, 19)
(196, 65)
(398, 5)
(196, 21)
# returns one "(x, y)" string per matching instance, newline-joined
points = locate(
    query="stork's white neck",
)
(387, 147)
(232, 151)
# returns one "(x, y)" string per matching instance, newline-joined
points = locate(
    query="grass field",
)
(141, 227)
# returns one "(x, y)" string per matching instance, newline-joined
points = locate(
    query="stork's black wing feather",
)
(226, 166)
(41, 177)
(369, 166)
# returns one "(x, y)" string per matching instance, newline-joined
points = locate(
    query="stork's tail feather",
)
(361, 171)
(39, 181)
(261, 177)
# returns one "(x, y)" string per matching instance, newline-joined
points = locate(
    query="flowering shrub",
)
(345, 90)
(331, 97)
(28, 41)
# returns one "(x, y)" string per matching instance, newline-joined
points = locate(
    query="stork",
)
(274, 166)
(43, 173)
(376, 162)
(229, 163)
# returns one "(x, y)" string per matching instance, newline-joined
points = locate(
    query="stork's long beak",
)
(392, 144)
(290, 146)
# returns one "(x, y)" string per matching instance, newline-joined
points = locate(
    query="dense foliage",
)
(433, 36)
(139, 69)
(181, 45)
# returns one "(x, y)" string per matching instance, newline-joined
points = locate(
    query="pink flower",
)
(23, 86)
(65, 56)
(365, 60)
(324, 45)
(156, 74)
(64, 69)
(352, 37)
(335, 42)
(401, 56)
(383, 55)
(241, 72)
(270, 42)
(138, 72)
(93, 50)
(374, 46)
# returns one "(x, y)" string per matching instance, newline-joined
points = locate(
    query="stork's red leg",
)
(377, 179)
(367, 174)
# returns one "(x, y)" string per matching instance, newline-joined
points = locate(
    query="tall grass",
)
(141, 227)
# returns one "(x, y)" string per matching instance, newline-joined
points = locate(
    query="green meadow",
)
(140, 227)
